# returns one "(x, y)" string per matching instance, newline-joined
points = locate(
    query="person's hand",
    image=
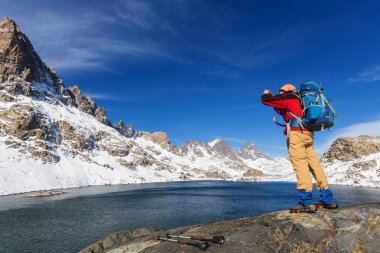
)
(266, 92)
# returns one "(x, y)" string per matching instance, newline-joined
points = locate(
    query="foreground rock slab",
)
(348, 229)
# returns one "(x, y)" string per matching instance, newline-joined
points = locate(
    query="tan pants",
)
(305, 161)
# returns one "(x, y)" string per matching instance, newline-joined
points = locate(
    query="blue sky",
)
(196, 68)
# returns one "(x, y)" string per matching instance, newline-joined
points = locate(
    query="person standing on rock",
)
(301, 152)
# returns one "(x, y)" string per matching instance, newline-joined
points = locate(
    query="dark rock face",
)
(349, 229)
(17, 56)
(126, 130)
(224, 150)
(250, 151)
(350, 148)
(87, 105)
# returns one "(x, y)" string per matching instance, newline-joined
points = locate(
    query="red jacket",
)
(282, 103)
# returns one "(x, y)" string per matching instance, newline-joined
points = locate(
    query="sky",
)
(196, 69)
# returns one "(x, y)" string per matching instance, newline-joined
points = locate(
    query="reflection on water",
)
(69, 222)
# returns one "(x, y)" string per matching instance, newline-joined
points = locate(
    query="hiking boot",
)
(304, 209)
(332, 205)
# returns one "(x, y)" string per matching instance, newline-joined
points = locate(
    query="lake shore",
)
(64, 190)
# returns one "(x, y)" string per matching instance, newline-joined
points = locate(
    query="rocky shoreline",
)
(348, 229)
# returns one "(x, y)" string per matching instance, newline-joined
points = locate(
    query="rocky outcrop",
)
(60, 86)
(121, 238)
(22, 121)
(350, 148)
(79, 141)
(348, 229)
(87, 105)
(126, 130)
(160, 138)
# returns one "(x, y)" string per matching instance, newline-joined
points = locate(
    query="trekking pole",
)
(201, 245)
(219, 239)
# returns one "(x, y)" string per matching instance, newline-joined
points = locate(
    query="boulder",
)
(351, 148)
(161, 138)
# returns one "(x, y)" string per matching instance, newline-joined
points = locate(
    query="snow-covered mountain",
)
(54, 137)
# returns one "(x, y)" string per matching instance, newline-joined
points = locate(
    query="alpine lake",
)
(72, 221)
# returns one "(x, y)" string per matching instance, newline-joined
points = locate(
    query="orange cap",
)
(288, 87)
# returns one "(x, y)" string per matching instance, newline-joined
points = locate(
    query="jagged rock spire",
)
(221, 147)
(17, 56)
(250, 151)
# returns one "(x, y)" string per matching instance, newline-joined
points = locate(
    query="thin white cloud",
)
(137, 13)
(103, 96)
(75, 58)
(114, 97)
(366, 128)
(370, 75)
(85, 40)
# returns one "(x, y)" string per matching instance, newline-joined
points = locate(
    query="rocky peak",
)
(194, 147)
(18, 60)
(127, 131)
(221, 147)
(160, 138)
(250, 151)
(350, 148)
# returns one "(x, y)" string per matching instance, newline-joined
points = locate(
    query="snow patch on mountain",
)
(214, 142)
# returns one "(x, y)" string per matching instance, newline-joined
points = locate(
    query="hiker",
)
(301, 151)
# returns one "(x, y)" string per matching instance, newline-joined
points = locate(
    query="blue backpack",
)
(318, 114)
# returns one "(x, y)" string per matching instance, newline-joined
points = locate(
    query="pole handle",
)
(202, 245)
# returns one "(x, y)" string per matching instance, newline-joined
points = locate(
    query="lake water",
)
(70, 222)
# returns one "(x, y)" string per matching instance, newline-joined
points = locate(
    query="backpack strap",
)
(328, 104)
(287, 125)
(288, 129)
(298, 119)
